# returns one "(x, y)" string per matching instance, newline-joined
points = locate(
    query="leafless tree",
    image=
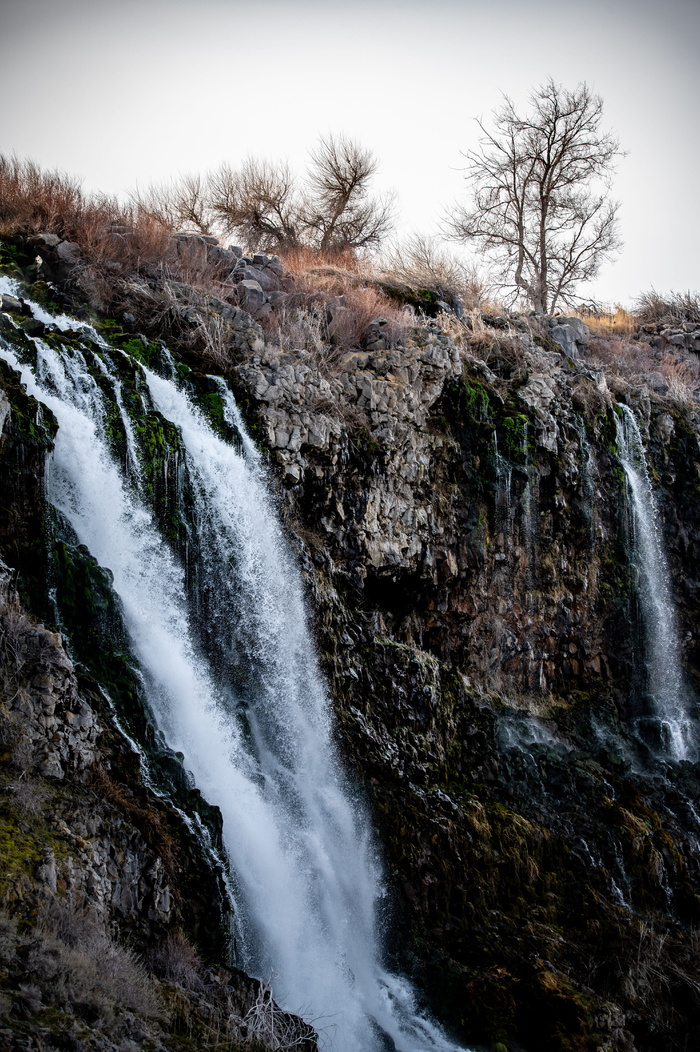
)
(338, 211)
(259, 203)
(182, 204)
(267, 208)
(540, 209)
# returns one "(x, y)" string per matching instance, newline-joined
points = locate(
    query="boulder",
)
(570, 333)
(251, 296)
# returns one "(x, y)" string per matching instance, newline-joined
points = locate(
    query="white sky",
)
(127, 91)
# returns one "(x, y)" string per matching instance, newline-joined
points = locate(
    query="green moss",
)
(426, 301)
(15, 256)
(515, 437)
(477, 402)
(24, 839)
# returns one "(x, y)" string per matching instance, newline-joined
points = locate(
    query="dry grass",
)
(77, 962)
(626, 362)
(329, 313)
(617, 322)
(302, 259)
(652, 308)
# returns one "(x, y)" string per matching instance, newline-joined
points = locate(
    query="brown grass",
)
(304, 258)
(617, 322)
(627, 362)
(329, 312)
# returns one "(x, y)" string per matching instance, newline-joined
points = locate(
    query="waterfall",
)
(234, 684)
(668, 719)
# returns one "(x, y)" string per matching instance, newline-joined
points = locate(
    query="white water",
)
(247, 706)
(666, 687)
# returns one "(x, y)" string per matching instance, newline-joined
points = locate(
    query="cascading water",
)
(668, 720)
(234, 685)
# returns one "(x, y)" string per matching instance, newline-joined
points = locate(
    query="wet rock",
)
(10, 303)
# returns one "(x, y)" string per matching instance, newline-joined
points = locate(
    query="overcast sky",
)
(131, 91)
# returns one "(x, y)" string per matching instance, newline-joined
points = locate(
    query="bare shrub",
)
(32, 199)
(424, 262)
(114, 242)
(677, 308)
(184, 312)
(259, 202)
(182, 204)
(212, 336)
(274, 1029)
(682, 379)
(28, 795)
(337, 211)
(329, 313)
(265, 205)
(176, 959)
(14, 625)
(75, 953)
(633, 362)
(302, 328)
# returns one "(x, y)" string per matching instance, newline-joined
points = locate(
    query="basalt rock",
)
(460, 515)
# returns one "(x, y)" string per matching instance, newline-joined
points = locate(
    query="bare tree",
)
(259, 203)
(338, 211)
(540, 209)
(182, 204)
(267, 208)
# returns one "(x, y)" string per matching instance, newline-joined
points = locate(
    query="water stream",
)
(666, 724)
(234, 684)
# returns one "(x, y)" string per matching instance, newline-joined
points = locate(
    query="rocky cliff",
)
(459, 507)
(462, 518)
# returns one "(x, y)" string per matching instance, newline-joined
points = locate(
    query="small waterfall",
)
(504, 482)
(587, 477)
(529, 505)
(668, 720)
(234, 684)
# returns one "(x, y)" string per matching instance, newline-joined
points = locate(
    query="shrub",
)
(76, 960)
(423, 262)
(329, 325)
(177, 960)
(265, 205)
(32, 199)
(651, 308)
(627, 362)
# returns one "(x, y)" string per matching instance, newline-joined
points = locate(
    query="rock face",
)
(462, 525)
(460, 511)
